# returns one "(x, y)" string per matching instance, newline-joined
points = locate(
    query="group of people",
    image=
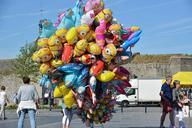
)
(27, 99)
(172, 101)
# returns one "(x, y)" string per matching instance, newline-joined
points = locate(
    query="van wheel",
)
(125, 103)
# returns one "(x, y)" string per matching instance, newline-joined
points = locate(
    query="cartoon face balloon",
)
(96, 5)
(47, 29)
(55, 45)
(43, 55)
(67, 21)
(56, 63)
(115, 29)
(88, 18)
(83, 31)
(72, 36)
(61, 33)
(80, 47)
(45, 68)
(94, 48)
(42, 43)
(106, 15)
(109, 52)
(87, 59)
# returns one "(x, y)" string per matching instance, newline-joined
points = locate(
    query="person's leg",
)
(50, 105)
(1, 111)
(181, 122)
(69, 117)
(4, 113)
(64, 118)
(162, 119)
(32, 117)
(172, 119)
(21, 118)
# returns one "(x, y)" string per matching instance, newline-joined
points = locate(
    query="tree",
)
(24, 65)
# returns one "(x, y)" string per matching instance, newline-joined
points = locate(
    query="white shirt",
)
(2, 97)
(30, 104)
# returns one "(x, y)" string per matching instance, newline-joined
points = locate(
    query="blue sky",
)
(166, 24)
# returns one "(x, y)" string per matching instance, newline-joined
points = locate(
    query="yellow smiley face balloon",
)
(56, 63)
(71, 36)
(106, 15)
(43, 55)
(83, 31)
(94, 48)
(80, 47)
(109, 52)
(115, 29)
(106, 76)
(42, 43)
(44, 68)
(55, 45)
(61, 33)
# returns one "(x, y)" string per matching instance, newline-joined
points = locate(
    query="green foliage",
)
(24, 65)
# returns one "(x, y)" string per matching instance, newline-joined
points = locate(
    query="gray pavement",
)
(131, 117)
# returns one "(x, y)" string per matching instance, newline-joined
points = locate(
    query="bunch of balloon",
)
(81, 55)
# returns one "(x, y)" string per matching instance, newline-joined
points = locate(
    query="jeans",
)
(32, 117)
(2, 111)
(181, 122)
(67, 117)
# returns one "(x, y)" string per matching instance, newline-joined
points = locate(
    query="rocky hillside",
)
(6, 67)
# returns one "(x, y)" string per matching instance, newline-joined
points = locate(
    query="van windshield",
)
(131, 92)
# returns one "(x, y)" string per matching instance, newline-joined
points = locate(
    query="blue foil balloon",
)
(47, 29)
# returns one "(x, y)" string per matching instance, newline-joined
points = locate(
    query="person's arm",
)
(36, 95)
(162, 94)
(6, 98)
(19, 95)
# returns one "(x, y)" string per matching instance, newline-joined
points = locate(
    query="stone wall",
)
(12, 84)
(160, 70)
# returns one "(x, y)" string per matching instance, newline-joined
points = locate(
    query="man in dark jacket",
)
(166, 101)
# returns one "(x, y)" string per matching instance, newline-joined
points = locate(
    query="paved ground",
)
(132, 117)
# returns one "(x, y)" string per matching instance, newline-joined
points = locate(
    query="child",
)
(3, 102)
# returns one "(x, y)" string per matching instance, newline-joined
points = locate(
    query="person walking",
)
(178, 103)
(186, 105)
(27, 96)
(3, 102)
(166, 102)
